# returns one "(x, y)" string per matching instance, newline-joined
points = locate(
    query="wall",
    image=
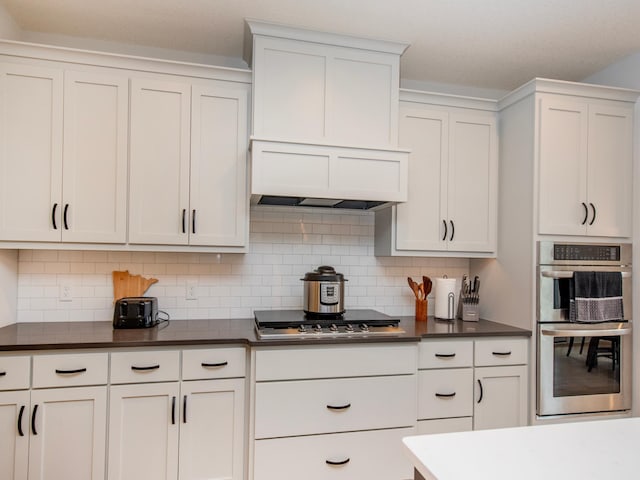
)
(9, 286)
(9, 30)
(285, 243)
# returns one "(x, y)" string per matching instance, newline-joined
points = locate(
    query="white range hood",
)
(325, 119)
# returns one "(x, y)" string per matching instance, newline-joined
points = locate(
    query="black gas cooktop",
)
(294, 323)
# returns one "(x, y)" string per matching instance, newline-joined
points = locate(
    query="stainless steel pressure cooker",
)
(323, 292)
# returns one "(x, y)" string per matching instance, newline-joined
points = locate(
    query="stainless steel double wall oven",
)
(581, 367)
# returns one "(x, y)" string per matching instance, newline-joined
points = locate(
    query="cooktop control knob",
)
(349, 327)
(302, 329)
(364, 327)
(333, 327)
(318, 328)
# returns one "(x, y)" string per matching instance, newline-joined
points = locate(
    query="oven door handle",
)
(569, 274)
(590, 332)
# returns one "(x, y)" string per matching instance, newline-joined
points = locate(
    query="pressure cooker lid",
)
(324, 273)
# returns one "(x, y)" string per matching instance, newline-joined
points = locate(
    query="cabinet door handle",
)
(586, 213)
(2, 374)
(338, 463)
(53, 216)
(173, 410)
(70, 372)
(20, 432)
(184, 214)
(144, 369)
(339, 407)
(184, 409)
(64, 216)
(444, 237)
(33, 419)
(193, 221)
(453, 231)
(501, 354)
(213, 365)
(445, 355)
(594, 213)
(446, 395)
(481, 391)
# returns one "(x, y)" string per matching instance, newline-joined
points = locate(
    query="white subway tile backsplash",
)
(285, 243)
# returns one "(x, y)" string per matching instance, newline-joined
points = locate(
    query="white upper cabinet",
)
(453, 171)
(75, 193)
(159, 162)
(585, 167)
(187, 180)
(30, 152)
(94, 199)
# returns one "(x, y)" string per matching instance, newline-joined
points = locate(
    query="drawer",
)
(377, 455)
(445, 393)
(15, 372)
(202, 364)
(445, 425)
(501, 351)
(332, 362)
(445, 354)
(70, 369)
(145, 366)
(337, 405)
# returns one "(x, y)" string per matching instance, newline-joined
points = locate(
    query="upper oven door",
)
(553, 290)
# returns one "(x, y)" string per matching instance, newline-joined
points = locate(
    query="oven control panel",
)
(605, 253)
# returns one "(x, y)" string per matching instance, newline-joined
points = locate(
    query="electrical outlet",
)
(191, 291)
(66, 293)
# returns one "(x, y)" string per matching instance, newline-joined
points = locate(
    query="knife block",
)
(469, 312)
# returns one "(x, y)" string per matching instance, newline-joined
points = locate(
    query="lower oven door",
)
(583, 368)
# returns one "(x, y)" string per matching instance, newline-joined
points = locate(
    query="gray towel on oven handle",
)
(596, 297)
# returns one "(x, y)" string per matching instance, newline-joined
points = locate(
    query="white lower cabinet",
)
(367, 455)
(14, 434)
(472, 384)
(325, 412)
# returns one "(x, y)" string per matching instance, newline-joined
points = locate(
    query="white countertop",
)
(602, 449)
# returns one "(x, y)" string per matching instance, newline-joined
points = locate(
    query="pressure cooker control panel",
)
(329, 293)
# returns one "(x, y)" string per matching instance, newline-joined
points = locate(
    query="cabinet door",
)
(472, 183)
(419, 221)
(218, 166)
(143, 431)
(68, 436)
(30, 153)
(501, 397)
(14, 435)
(610, 159)
(212, 430)
(159, 162)
(562, 190)
(96, 110)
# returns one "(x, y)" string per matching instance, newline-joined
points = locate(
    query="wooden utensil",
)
(127, 285)
(414, 287)
(426, 285)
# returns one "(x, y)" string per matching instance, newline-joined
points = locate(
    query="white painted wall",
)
(626, 74)
(9, 29)
(285, 243)
(8, 286)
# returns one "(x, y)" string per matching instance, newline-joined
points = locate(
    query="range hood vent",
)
(325, 119)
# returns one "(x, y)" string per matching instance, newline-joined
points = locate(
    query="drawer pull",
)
(2, 374)
(445, 355)
(213, 365)
(70, 372)
(20, 432)
(339, 407)
(338, 463)
(33, 419)
(144, 369)
(446, 395)
(501, 354)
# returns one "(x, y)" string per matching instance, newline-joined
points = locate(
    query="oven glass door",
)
(554, 290)
(584, 368)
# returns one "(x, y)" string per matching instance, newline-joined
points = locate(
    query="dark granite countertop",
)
(79, 335)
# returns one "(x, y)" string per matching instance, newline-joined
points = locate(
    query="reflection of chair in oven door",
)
(610, 349)
(571, 339)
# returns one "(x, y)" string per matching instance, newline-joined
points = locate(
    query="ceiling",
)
(496, 44)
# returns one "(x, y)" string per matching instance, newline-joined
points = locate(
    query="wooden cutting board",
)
(127, 285)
